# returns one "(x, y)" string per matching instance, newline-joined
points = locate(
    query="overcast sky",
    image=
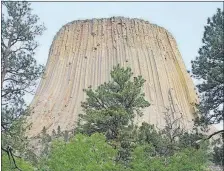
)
(185, 20)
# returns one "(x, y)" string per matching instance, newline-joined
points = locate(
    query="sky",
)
(184, 20)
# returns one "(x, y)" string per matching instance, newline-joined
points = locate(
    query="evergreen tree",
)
(113, 105)
(19, 69)
(208, 68)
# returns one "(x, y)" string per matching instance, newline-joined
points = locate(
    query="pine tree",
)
(113, 105)
(208, 68)
(19, 70)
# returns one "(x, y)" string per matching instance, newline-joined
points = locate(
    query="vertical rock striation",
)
(84, 52)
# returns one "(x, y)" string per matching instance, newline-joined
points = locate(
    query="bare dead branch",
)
(215, 133)
(8, 150)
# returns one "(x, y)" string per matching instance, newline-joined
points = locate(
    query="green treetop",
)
(113, 105)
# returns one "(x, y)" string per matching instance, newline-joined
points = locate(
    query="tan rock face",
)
(84, 52)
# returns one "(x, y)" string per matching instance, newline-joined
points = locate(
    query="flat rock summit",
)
(84, 52)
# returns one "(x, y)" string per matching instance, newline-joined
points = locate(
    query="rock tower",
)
(84, 52)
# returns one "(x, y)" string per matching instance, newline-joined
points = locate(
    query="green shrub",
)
(82, 153)
(188, 159)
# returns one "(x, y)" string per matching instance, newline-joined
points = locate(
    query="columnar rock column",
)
(84, 52)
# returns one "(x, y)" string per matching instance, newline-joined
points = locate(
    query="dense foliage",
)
(188, 159)
(87, 153)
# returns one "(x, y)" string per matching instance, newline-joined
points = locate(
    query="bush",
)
(82, 153)
(188, 159)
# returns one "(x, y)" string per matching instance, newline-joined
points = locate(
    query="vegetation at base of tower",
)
(188, 159)
(19, 72)
(106, 112)
(93, 152)
(208, 68)
(82, 152)
(166, 142)
(134, 148)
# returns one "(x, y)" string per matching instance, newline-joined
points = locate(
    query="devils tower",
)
(84, 52)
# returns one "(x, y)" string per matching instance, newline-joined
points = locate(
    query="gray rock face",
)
(84, 52)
